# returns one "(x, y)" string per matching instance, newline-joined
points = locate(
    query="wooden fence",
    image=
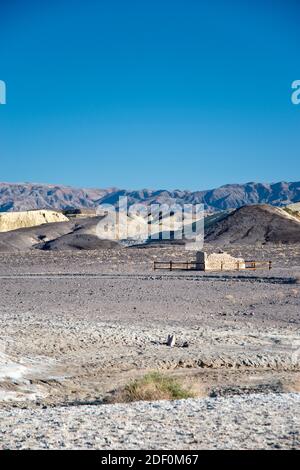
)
(194, 266)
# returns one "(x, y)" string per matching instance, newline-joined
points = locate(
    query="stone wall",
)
(218, 262)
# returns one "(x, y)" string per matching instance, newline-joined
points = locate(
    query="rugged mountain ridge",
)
(30, 196)
(27, 196)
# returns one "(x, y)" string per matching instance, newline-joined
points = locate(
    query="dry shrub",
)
(151, 387)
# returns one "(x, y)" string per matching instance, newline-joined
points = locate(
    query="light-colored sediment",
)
(16, 220)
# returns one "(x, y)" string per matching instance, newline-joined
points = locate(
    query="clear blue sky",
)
(149, 93)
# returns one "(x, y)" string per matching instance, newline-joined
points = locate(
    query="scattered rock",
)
(171, 341)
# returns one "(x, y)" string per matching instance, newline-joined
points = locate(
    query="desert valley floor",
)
(76, 326)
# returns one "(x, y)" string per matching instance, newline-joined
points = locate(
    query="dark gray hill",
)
(255, 224)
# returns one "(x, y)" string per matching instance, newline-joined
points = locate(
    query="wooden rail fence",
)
(193, 265)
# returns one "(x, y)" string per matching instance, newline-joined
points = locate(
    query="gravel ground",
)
(137, 259)
(77, 326)
(66, 339)
(251, 422)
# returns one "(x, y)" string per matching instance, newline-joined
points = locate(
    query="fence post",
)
(171, 263)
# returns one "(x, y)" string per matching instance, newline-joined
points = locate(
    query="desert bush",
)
(151, 387)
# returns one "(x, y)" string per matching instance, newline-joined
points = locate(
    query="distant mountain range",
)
(27, 196)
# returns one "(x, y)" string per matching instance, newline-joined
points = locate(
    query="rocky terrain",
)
(250, 422)
(78, 325)
(27, 196)
(81, 317)
(249, 225)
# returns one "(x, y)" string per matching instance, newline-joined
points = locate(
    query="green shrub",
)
(151, 387)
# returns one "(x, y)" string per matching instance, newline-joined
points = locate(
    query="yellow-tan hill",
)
(15, 220)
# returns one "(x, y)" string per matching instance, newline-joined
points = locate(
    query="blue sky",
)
(161, 94)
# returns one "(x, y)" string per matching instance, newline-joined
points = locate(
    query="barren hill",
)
(255, 224)
(66, 236)
(15, 220)
(82, 236)
(26, 238)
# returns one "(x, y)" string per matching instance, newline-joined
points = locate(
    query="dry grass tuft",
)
(151, 387)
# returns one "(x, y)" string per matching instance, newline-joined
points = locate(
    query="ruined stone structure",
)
(218, 262)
